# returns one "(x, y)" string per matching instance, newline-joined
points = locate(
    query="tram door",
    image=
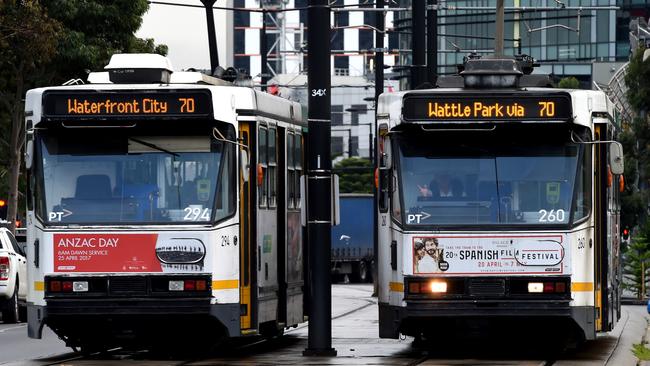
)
(282, 226)
(246, 212)
(605, 287)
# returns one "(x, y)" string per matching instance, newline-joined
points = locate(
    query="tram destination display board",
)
(486, 108)
(127, 103)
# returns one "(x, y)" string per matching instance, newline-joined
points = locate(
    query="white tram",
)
(163, 206)
(498, 206)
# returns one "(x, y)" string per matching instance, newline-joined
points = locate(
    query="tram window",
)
(582, 205)
(290, 172)
(116, 177)
(272, 167)
(298, 165)
(489, 184)
(262, 161)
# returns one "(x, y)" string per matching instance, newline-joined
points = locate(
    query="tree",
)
(636, 142)
(51, 41)
(637, 80)
(569, 83)
(22, 60)
(635, 272)
(355, 175)
(93, 31)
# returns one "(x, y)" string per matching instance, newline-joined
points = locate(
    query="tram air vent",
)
(486, 287)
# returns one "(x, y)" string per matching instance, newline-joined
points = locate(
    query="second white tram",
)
(498, 205)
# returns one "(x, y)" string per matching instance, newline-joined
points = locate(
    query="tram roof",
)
(584, 102)
(228, 100)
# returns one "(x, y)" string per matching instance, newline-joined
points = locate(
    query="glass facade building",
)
(564, 40)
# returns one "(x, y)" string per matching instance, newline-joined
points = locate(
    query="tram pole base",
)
(319, 352)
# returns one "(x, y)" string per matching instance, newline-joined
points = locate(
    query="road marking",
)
(18, 327)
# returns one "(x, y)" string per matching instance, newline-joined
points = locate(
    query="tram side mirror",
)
(303, 200)
(29, 147)
(616, 161)
(29, 154)
(244, 165)
(336, 213)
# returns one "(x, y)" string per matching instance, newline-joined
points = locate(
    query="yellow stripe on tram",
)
(396, 286)
(582, 286)
(225, 284)
(39, 286)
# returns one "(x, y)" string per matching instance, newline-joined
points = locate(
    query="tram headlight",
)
(438, 286)
(80, 286)
(176, 285)
(535, 287)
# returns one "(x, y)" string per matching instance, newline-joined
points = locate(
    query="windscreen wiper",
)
(155, 147)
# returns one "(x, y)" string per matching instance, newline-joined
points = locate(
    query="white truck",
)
(13, 279)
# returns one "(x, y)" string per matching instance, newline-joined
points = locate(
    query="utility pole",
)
(212, 35)
(418, 44)
(379, 88)
(319, 180)
(432, 42)
(264, 53)
(498, 34)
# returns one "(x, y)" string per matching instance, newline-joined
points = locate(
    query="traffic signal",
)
(626, 233)
(3, 209)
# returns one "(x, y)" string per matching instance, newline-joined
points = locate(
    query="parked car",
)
(13, 279)
(352, 246)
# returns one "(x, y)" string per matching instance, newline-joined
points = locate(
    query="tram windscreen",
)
(112, 178)
(491, 183)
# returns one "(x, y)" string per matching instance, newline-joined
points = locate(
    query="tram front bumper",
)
(394, 320)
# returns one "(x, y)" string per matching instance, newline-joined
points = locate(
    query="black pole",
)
(418, 44)
(319, 176)
(432, 42)
(379, 88)
(263, 53)
(212, 35)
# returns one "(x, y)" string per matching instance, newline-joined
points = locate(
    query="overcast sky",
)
(184, 30)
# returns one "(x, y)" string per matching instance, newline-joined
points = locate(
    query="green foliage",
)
(569, 83)
(27, 44)
(636, 142)
(355, 175)
(641, 352)
(637, 80)
(95, 30)
(48, 42)
(637, 260)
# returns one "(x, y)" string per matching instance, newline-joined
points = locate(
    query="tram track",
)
(127, 354)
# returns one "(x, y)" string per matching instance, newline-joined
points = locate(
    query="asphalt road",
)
(15, 346)
(355, 337)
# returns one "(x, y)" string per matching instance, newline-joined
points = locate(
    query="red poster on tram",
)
(106, 253)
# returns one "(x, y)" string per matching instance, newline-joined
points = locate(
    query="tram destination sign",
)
(127, 103)
(487, 108)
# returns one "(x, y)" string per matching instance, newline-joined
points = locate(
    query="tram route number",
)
(318, 92)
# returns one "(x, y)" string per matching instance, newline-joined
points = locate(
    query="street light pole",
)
(498, 34)
(319, 180)
(212, 35)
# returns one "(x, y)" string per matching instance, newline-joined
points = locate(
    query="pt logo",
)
(417, 218)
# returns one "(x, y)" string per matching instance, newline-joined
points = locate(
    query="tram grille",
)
(487, 287)
(128, 285)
